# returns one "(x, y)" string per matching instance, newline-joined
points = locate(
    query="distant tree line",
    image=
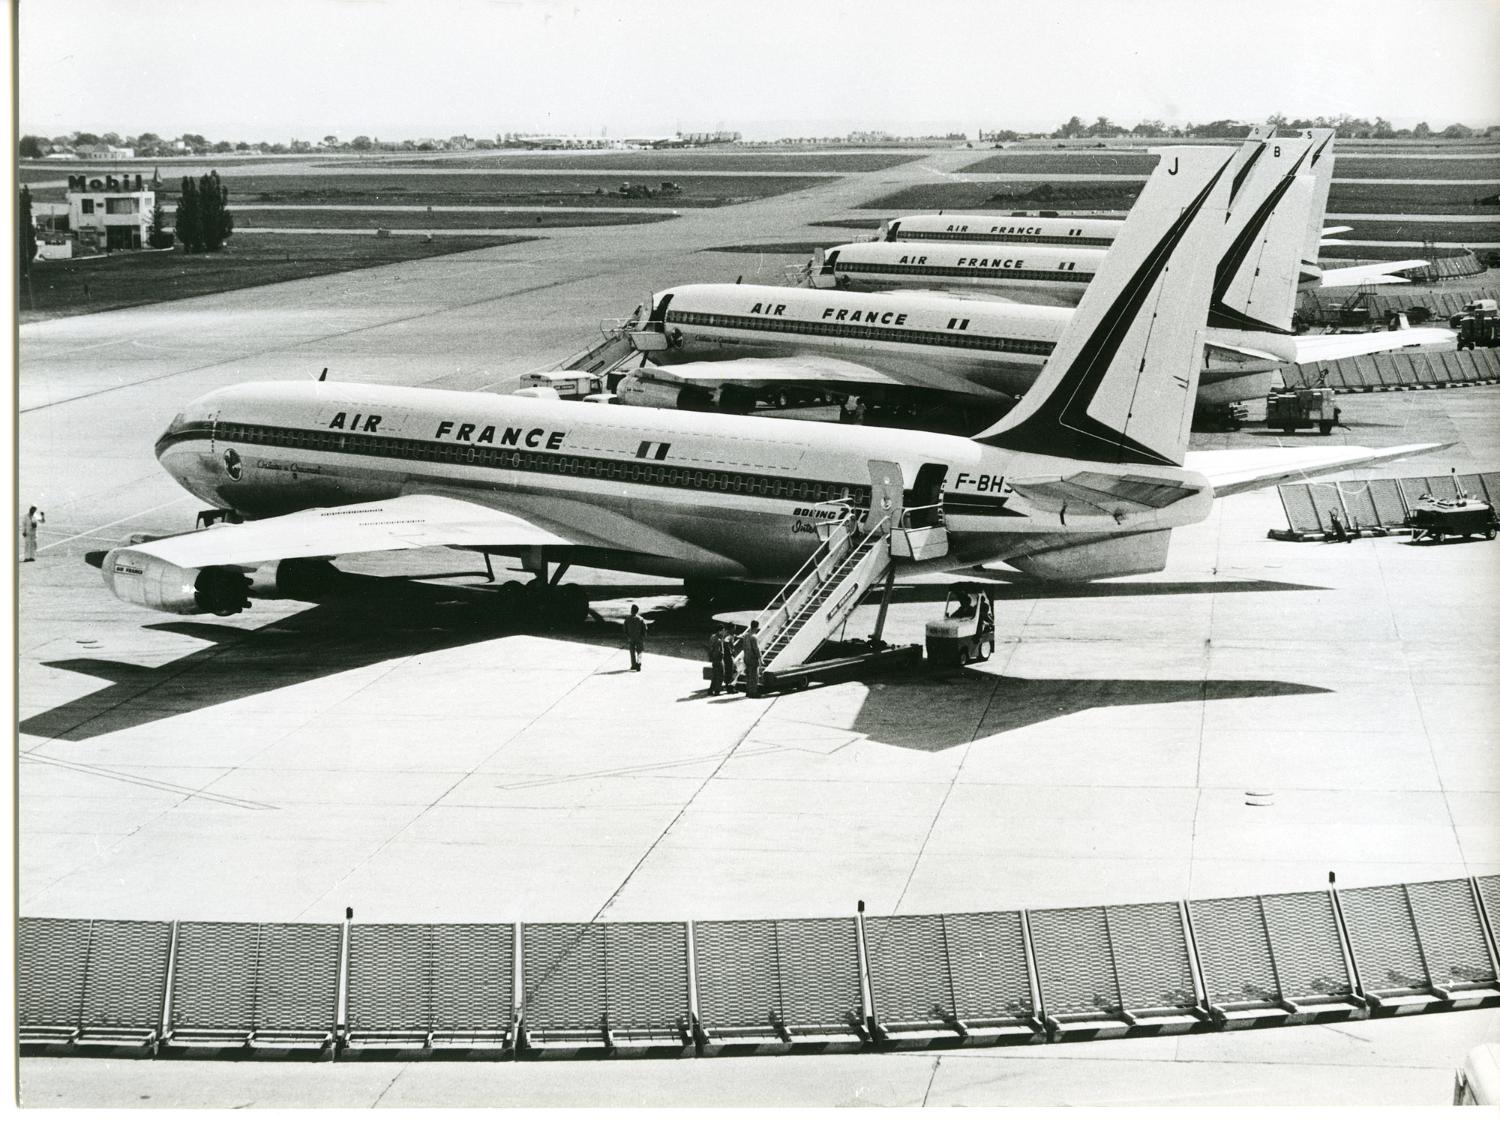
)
(1343, 125)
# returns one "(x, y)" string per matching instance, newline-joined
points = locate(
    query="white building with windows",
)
(110, 213)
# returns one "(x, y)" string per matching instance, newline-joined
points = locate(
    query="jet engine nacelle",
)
(641, 390)
(145, 580)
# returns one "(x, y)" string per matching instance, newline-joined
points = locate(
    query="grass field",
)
(1475, 166)
(668, 162)
(1411, 199)
(1083, 162)
(119, 281)
(437, 220)
(1355, 198)
(1000, 198)
(1406, 230)
(482, 187)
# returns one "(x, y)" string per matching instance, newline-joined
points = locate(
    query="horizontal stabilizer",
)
(1329, 232)
(1322, 349)
(1241, 470)
(1102, 492)
(1374, 273)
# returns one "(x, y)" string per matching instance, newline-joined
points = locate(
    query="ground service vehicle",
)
(574, 385)
(965, 634)
(1478, 325)
(1477, 1081)
(1302, 406)
(1461, 517)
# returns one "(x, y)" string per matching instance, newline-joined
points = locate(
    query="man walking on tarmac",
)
(635, 636)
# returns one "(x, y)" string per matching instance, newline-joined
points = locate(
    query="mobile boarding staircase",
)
(858, 552)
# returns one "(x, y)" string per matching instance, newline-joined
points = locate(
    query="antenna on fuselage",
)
(324, 375)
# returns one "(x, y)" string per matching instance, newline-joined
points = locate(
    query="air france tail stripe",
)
(1061, 425)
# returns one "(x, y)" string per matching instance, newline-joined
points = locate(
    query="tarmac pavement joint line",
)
(440, 797)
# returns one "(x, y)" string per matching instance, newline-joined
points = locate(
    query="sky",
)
(394, 69)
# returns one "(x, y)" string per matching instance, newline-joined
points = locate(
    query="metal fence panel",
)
(648, 974)
(390, 978)
(1385, 495)
(1234, 950)
(1304, 940)
(252, 977)
(988, 955)
(1358, 504)
(739, 975)
(910, 972)
(1422, 370)
(127, 974)
(621, 975)
(1327, 498)
(1452, 937)
(473, 977)
(1491, 483)
(1383, 935)
(566, 986)
(1489, 900)
(1151, 955)
(1301, 515)
(820, 968)
(51, 957)
(1073, 964)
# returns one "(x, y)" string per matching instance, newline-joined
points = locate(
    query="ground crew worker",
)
(28, 533)
(635, 636)
(750, 646)
(716, 661)
(1337, 525)
(727, 669)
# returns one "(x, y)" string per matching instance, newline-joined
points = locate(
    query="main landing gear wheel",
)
(982, 652)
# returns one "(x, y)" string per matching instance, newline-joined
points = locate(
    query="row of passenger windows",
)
(959, 271)
(561, 464)
(969, 236)
(863, 332)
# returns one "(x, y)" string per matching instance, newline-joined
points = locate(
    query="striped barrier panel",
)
(253, 987)
(605, 988)
(760, 986)
(787, 985)
(1274, 959)
(1398, 370)
(98, 983)
(951, 979)
(431, 989)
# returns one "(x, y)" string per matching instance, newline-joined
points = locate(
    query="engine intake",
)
(146, 580)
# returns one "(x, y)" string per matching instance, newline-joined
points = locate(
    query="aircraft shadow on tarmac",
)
(394, 619)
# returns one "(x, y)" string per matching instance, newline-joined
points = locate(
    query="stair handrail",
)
(880, 532)
(792, 596)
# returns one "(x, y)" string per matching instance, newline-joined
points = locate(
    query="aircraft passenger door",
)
(887, 493)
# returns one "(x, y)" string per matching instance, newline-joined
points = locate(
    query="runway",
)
(1254, 717)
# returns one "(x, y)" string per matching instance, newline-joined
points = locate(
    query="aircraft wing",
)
(800, 369)
(401, 524)
(1375, 273)
(1320, 349)
(1241, 470)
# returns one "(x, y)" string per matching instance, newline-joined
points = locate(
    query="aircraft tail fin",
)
(1255, 284)
(1119, 386)
(1320, 164)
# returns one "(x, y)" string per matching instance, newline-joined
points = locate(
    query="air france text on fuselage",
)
(480, 433)
(861, 316)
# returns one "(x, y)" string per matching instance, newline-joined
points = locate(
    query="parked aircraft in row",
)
(1087, 235)
(944, 342)
(1085, 478)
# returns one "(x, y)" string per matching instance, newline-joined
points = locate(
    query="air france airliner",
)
(1084, 478)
